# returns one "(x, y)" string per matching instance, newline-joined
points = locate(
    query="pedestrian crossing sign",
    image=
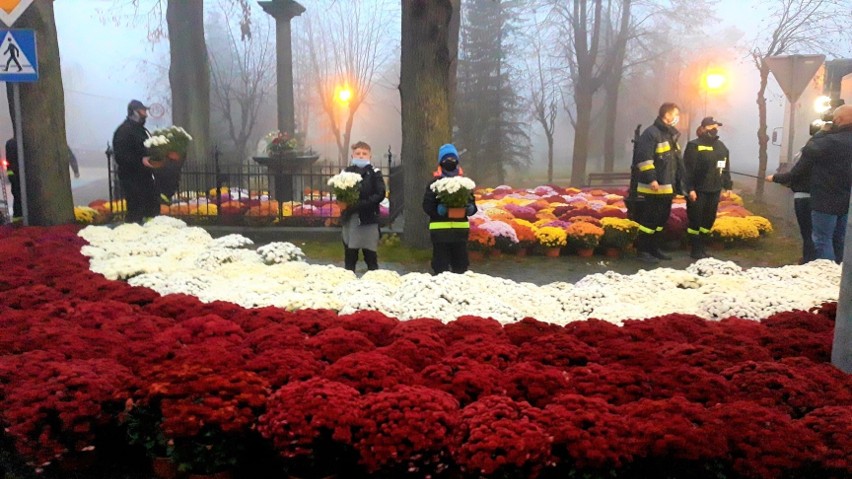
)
(18, 59)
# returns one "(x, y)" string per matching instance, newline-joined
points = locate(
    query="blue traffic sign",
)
(18, 58)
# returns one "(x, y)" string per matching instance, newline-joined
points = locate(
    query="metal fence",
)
(251, 195)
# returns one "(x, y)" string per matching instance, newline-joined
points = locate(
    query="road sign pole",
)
(22, 164)
(792, 134)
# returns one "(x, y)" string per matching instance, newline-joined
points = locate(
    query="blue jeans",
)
(829, 232)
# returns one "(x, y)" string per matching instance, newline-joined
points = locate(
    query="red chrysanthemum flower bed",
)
(669, 396)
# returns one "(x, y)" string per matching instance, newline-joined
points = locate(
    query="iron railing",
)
(245, 194)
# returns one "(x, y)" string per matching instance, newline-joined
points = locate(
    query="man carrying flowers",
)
(134, 167)
(449, 201)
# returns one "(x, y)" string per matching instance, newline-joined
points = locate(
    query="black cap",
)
(709, 120)
(135, 105)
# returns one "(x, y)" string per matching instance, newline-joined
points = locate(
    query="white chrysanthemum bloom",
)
(165, 221)
(280, 252)
(231, 241)
(452, 184)
(344, 180)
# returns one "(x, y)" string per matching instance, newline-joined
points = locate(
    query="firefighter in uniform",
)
(449, 236)
(657, 166)
(707, 171)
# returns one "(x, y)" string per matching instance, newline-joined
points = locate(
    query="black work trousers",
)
(450, 257)
(141, 195)
(350, 258)
(652, 213)
(17, 205)
(702, 212)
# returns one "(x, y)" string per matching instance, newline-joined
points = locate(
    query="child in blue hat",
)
(449, 235)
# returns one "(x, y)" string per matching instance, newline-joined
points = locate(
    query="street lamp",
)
(714, 80)
(344, 94)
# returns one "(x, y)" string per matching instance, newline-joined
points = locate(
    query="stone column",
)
(283, 11)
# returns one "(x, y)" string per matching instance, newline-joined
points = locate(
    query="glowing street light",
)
(715, 81)
(344, 95)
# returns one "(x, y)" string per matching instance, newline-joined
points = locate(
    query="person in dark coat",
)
(361, 220)
(12, 172)
(707, 171)
(134, 170)
(449, 236)
(798, 179)
(831, 182)
(657, 166)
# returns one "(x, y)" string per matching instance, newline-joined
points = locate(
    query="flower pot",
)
(495, 253)
(585, 252)
(475, 255)
(522, 252)
(342, 206)
(164, 468)
(612, 252)
(217, 475)
(456, 213)
(156, 163)
(78, 461)
(552, 252)
(174, 156)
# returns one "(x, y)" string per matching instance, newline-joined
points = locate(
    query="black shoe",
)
(657, 253)
(647, 257)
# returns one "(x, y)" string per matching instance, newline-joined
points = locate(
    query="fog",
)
(106, 62)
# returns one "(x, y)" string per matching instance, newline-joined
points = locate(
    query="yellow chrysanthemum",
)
(551, 237)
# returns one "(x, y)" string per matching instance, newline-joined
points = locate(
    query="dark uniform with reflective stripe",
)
(449, 236)
(656, 157)
(707, 171)
(14, 177)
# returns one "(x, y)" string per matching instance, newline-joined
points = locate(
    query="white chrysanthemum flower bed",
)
(169, 257)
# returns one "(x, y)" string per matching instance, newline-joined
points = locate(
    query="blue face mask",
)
(360, 163)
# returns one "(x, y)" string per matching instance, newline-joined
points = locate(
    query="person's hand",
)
(769, 178)
(693, 195)
(442, 210)
(655, 185)
(146, 160)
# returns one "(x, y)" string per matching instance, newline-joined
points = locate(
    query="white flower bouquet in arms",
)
(454, 193)
(347, 188)
(167, 143)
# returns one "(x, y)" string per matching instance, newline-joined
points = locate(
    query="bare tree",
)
(242, 74)
(544, 79)
(793, 26)
(346, 50)
(589, 64)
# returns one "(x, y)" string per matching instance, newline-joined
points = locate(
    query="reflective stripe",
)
(691, 231)
(663, 147)
(646, 189)
(646, 230)
(646, 165)
(704, 230)
(659, 228)
(447, 225)
(705, 148)
(10, 173)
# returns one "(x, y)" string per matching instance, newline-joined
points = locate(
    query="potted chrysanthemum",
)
(454, 193)
(167, 144)
(552, 239)
(584, 237)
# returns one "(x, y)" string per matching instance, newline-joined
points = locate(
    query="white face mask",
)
(360, 163)
(675, 121)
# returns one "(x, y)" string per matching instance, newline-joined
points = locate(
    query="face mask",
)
(360, 163)
(675, 121)
(449, 165)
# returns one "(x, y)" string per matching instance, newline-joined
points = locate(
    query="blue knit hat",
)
(447, 150)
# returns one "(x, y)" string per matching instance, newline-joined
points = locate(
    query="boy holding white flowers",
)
(360, 219)
(449, 201)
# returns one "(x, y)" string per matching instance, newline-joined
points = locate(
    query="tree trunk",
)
(583, 99)
(453, 46)
(549, 136)
(612, 86)
(425, 99)
(46, 153)
(762, 137)
(189, 74)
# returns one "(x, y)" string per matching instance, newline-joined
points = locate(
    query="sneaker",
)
(646, 257)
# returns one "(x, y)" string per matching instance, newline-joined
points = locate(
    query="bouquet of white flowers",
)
(167, 143)
(347, 188)
(454, 193)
